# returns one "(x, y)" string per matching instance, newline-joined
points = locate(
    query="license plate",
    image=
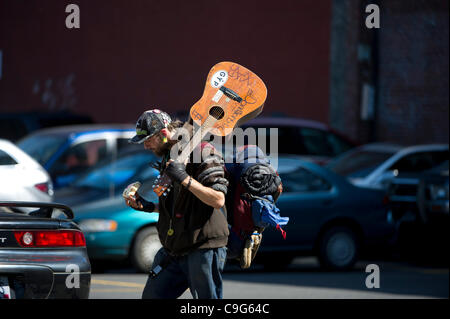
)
(5, 292)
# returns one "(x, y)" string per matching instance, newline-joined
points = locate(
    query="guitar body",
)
(236, 90)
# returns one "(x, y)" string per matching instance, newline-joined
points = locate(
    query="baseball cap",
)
(148, 124)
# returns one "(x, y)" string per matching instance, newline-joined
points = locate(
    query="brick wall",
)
(414, 72)
(409, 63)
(129, 56)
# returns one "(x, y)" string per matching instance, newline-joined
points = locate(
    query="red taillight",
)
(386, 200)
(51, 238)
(43, 187)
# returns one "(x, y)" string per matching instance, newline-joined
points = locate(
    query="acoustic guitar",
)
(233, 94)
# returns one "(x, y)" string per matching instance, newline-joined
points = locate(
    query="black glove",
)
(146, 206)
(176, 171)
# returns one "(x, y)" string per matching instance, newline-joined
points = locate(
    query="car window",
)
(315, 142)
(358, 163)
(124, 145)
(419, 162)
(41, 147)
(5, 159)
(337, 144)
(80, 157)
(440, 157)
(117, 173)
(302, 181)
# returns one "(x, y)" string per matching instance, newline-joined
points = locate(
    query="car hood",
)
(99, 208)
(74, 196)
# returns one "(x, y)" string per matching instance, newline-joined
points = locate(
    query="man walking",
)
(192, 225)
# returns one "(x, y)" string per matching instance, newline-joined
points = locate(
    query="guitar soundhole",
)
(216, 112)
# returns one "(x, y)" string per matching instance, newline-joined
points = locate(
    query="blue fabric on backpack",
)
(244, 159)
(265, 213)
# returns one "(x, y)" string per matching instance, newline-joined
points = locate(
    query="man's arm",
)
(207, 195)
(209, 184)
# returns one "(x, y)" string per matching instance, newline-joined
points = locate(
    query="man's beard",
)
(162, 149)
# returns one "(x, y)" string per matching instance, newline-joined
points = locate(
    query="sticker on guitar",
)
(219, 78)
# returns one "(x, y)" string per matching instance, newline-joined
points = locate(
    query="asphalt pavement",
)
(303, 279)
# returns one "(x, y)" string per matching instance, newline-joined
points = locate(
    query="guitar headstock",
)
(162, 184)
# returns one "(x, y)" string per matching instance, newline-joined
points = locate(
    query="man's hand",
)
(176, 171)
(132, 197)
(133, 202)
(141, 204)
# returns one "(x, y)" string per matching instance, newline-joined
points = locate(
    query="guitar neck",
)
(196, 138)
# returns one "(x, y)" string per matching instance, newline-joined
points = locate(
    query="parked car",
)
(423, 194)
(421, 202)
(42, 253)
(328, 217)
(109, 178)
(67, 152)
(21, 177)
(310, 139)
(113, 230)
(374, 165)
(14, 126)
(433, 192)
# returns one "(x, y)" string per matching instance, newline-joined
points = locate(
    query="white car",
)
(375, 165)
(21, 177)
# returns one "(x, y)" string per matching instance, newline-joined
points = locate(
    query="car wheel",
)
(145, 247)
(338, 248)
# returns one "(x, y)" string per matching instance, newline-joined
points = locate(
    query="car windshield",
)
(115, 173)
(358, 163)
(302, 180)
(41, 147)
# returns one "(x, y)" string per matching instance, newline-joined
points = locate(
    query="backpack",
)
(254, 188)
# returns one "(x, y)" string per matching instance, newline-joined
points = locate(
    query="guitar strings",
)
(213, 117)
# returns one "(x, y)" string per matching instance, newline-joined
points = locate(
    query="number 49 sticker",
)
(219, 78)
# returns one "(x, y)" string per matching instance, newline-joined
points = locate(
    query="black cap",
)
(150, 123)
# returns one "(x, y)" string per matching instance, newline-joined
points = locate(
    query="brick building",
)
(400, 72)
(130, 56)
(317, 58)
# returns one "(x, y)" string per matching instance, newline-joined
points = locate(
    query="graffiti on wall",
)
(56, 94)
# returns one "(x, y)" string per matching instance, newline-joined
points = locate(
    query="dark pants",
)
(200, 271)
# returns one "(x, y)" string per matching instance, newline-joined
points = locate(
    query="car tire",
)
(338, 248)
(145, 247)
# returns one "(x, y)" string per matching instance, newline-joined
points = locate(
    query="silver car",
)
(21, 177)
(375, 165)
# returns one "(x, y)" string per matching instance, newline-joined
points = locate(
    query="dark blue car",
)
(329, 217)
